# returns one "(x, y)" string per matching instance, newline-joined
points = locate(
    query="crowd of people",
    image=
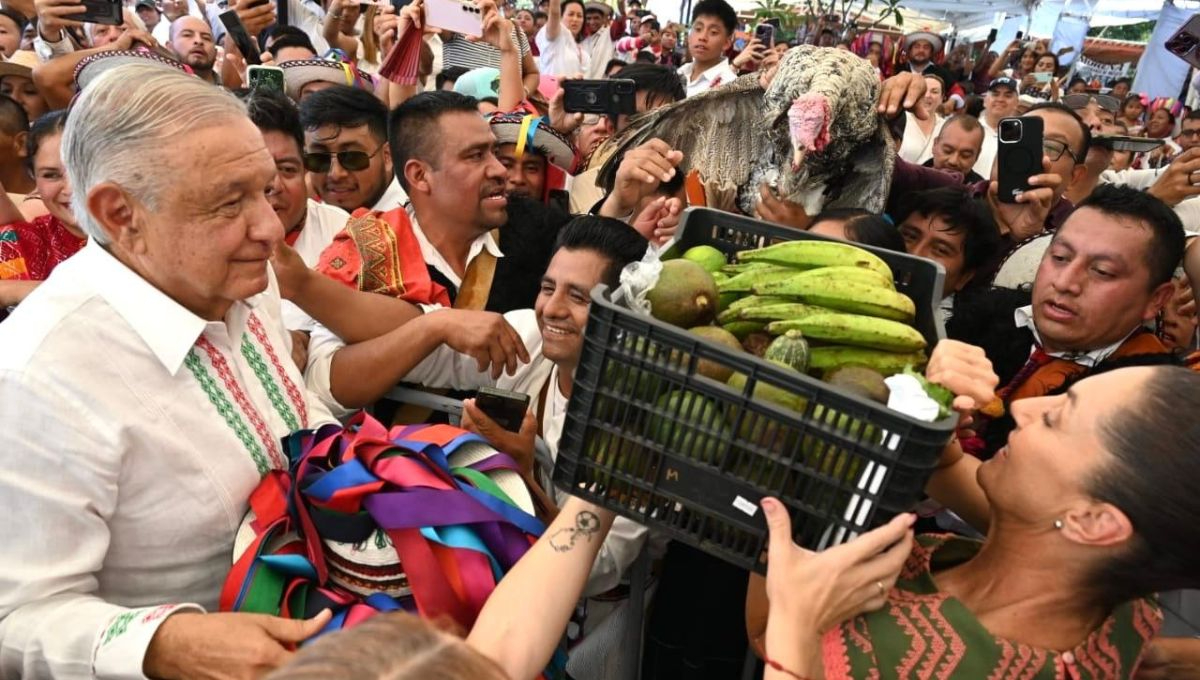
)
(195, 264)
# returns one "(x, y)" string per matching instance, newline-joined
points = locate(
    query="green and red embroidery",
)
(231, 416)
(293, 392)
(264, 449)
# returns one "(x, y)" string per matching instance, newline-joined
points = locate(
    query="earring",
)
(1058, 524)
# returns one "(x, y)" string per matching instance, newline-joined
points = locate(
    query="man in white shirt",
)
(456, 223)
(308, 226)
(599, 43)
(711, 36)
(144, 389)
(1000, 102)
(346, 150)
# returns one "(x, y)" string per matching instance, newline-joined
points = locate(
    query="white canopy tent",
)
(974, 18)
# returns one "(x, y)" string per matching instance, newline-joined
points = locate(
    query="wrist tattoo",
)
(587, 523)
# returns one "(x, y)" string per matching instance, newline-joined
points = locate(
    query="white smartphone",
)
(1043, 77)
(454, 15)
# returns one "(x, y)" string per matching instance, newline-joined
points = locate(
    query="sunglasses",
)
(353, 161)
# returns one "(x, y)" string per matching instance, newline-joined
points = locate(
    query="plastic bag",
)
(637, 279)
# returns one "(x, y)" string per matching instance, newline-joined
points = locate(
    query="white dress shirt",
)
(1023, 318)
(323, 222)
(324, 343)
(721, 74)
(121, 483)
(393, 197)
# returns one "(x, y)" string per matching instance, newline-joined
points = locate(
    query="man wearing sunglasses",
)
(346, 151)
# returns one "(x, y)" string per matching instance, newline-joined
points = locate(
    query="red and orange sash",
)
(379, 253)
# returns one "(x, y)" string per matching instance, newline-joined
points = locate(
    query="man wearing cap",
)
(536, 156)
(148, 12)
(999, 103)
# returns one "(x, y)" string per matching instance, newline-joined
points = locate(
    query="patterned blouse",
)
(923, 633)
(29, 251)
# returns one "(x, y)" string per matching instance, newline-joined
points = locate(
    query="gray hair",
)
(118, 127)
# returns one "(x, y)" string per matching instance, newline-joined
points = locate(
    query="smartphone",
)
(101, 12)
(1019, 156)
(765, 34)
(504, 407)
(265, 78)
(1020, 34)
(453, 15)
(1043, 77)
(992, 36)
(236, 31)
(611, 97)
(1185, 41)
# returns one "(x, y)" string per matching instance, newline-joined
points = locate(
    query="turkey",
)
(813, 135)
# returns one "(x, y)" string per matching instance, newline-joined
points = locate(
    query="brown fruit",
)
(712, 369)
(685, 295)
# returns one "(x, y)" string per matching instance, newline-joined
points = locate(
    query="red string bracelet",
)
(779, 667)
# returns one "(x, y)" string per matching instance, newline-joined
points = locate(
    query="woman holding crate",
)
(1090, 509)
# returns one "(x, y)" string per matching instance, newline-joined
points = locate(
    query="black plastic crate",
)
(689, 456)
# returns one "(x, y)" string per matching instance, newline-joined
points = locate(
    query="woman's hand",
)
(813, 592)
(497, 31)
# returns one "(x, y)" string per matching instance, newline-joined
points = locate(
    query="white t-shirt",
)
(562, 56)
(987, 151)
(324, 221)
(916, 147)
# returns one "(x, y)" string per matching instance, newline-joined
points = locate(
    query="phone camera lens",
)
(1010, 130)
(590, 97)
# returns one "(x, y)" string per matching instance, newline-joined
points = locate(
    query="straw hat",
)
(932, 38)
(300, 72)
(92, 67)
(21, 64)
(556, 148)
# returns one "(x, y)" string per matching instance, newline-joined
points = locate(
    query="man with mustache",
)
(192, 41)
(1106, 273)
(461, 242)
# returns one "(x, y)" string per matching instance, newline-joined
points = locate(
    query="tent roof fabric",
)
(1108, 51)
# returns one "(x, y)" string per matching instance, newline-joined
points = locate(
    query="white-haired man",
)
(143, 394)
(144, 388)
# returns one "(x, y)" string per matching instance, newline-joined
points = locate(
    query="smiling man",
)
(461, 242)
(346, 151)
(167, 416)
(1105, 274)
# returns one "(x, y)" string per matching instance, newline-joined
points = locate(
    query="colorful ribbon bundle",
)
(369, 520)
